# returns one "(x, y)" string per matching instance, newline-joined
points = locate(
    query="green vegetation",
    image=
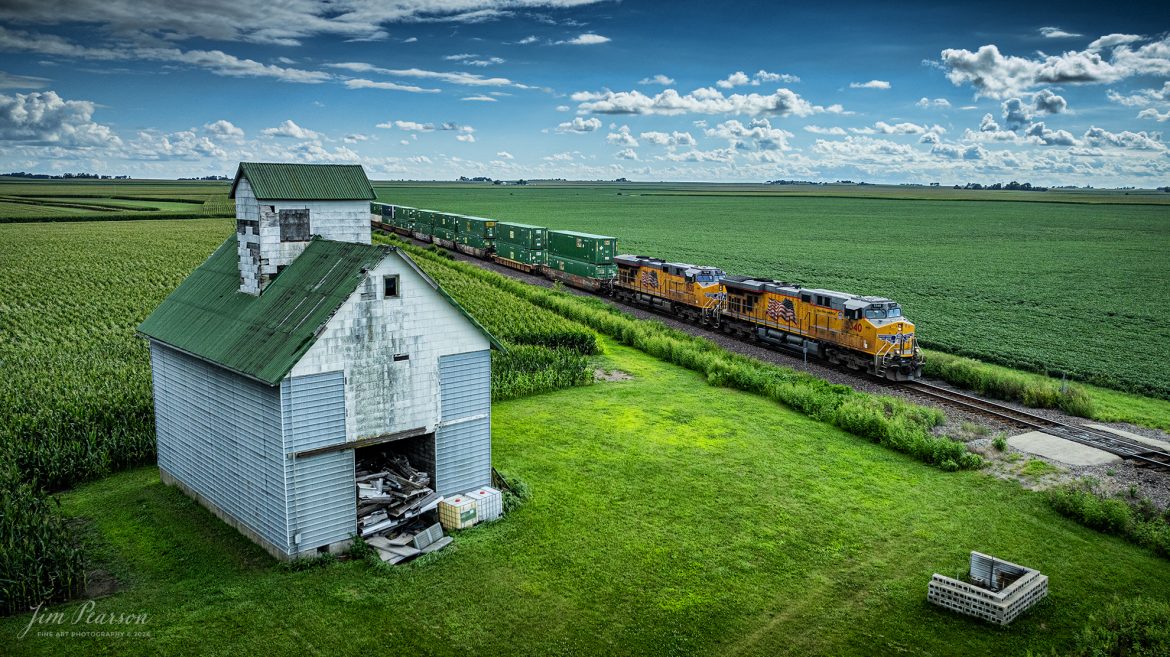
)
(886, 420)
(666, 517)
(75, 399)
(42, 200)
(545, 351)
(1003, 383)
(1036, 468)
(1051, 287)
(1139, 523)
(1084, 400)
(75, 396)
(39, 558)
(1133, 627)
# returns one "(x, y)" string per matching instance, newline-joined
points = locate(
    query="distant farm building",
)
(298, 343)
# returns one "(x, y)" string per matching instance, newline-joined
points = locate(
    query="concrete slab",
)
(1152, 442)
(1059, 449)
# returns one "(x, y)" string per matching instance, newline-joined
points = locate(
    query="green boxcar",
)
(583, 269)
(594, 249)
(525, 235)
(519, 253)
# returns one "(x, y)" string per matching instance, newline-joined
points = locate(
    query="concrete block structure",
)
(998, 590)
(274, 364)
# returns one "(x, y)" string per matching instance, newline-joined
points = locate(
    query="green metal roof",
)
(264, 336)
(308, 182)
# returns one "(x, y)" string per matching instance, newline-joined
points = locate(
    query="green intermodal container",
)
(446, 222)
(474, 241)
(525, 235)
(593, 249)
(401, 217)
(442, 233)
(484, 229)
(404, 217)
(421, 223)
(519, 254)
(579, 268)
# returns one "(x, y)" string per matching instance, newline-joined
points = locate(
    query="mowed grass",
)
(1055, 287)
(668, 518)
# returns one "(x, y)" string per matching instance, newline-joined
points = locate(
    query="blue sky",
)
(412, 89)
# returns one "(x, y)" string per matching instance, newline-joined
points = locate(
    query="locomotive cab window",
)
(895, 311)
(875, 312)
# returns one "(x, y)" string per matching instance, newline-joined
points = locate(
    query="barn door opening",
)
(395, 484)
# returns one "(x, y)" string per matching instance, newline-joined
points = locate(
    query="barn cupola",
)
(280, 207)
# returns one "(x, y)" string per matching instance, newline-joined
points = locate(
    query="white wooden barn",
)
(297, 343)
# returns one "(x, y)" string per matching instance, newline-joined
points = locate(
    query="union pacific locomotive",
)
(860, 332)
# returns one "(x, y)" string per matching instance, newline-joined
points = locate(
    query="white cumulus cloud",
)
(291, 130)
(706, 100)
(872, 84)
(46, 118)
(224, 128)
(995, 75)
(659, 79)
(588, 39)
(579, 125)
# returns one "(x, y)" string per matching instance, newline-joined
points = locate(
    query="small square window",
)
(390, 287)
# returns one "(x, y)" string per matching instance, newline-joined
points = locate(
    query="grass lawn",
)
(668, 517)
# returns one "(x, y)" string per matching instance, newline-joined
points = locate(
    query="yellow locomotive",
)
(689, 291)
(860, 332)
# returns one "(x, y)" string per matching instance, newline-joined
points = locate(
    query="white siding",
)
(463, 443)
(321, 505)
(220, 435)
(383, 396)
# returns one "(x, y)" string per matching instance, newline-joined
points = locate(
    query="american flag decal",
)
(781, 310)
(650, 278)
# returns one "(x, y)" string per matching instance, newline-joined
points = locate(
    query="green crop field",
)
(1062, 282)
(57, 200)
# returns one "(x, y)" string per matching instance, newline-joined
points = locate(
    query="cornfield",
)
(545, 350)
(75, 398)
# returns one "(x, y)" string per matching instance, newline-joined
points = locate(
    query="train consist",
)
(859, 332)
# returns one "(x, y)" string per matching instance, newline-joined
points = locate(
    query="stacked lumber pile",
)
(392, 498)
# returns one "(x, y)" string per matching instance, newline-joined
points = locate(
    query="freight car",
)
(859, 332)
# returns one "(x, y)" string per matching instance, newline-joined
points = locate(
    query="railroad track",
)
(1131, 450)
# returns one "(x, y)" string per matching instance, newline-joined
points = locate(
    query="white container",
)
(458, 512)
(490, 505)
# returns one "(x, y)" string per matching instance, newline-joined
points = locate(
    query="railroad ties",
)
(1130, 450)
